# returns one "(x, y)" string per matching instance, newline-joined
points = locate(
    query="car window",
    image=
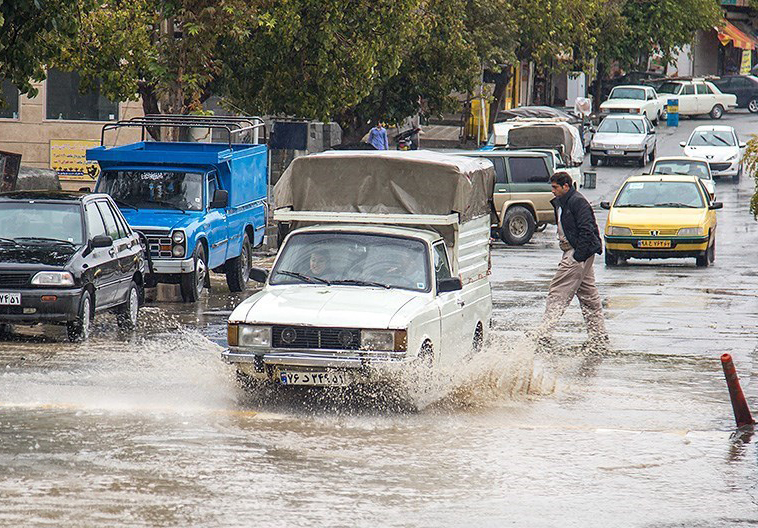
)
(95, 225)
(111, 227)
(528, 170)
(441, 265)
(622, 126)
(627, 93)
(702, 89)
(123, 226)
(212, 187)
(688, 90)
(499, 164)
(712, 138)
(695, 168)
(670, 88)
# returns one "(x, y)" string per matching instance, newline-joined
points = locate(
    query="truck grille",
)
(315, 338)
(719, 166)
(155, 239)
(15, 279)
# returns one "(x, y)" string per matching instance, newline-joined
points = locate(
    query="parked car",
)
(521, 194)
(202, 206)
(697, 97)
(683, 165)
(623, 137)
(370, 287)
(661, 216)
(630, 99)
(630, 78)
(65, 257)
(745, 87)
(720, 146)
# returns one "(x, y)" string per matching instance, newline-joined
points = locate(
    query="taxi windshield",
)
(353, 259)
(621, 126)
(41, 223)
(660, 194)
(695, 168)
(628, 93)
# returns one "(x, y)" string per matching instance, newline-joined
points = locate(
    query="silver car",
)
(623, 137)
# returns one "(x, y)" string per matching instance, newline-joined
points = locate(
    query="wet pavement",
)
(150, 429)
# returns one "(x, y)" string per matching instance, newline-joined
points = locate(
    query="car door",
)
(650, 136)
(114, 286)
(688, 100)
(451, 307)
(100, 262)
(129, 253)
(502, 192)
(706, 100)
(216, 225)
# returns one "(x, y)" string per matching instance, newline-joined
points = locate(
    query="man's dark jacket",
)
(579, 225)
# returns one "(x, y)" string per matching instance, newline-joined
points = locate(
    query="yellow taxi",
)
(661, 216)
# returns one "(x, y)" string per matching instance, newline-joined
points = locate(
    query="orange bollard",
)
(739, 403)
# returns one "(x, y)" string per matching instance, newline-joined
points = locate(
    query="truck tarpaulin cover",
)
(556, 135)
(386, 182)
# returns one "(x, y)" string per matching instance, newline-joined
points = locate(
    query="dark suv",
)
(65, 257)
(745, 87)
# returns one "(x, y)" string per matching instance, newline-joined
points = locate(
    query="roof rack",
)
(233, 125)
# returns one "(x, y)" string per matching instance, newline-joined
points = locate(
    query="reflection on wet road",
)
(150, 429)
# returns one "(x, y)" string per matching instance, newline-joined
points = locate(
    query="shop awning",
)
(730, 33)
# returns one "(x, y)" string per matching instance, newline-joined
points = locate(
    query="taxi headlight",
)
(732, 157)
(178, 237)
(383, 340)
(245, 335)
(53, 278)
(619, 231)
(689, 231)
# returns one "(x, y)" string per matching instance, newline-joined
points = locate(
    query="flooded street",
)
(151, 429)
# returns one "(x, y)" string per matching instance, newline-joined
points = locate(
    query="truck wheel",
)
(126, 314)
(717, 112)
(79, 329)
(238, 269)
(518, 226)
(594, 160)
(193, 283)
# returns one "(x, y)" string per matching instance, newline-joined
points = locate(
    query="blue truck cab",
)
(201, 206)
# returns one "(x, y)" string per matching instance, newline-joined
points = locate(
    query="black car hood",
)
(43, 254)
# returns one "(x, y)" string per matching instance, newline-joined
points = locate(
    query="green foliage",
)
(29, 31)
(750, 166)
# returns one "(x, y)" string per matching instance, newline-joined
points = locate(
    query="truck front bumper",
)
(173, 266)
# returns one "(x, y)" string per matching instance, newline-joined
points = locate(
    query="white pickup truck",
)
(633, 99)
(385, 269)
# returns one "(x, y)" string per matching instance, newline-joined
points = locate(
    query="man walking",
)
(579, 239)
(377, 136)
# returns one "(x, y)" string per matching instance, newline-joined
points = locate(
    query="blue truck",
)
(201, 206)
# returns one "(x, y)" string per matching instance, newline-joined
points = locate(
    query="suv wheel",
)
(518, 226)
(717, 112)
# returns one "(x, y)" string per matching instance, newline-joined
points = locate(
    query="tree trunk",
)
(597, 94)
(501, 84)
(353, 127)
(149, 106)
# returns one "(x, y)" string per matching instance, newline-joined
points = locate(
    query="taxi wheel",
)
(717, 112)
(611, 259)
(712, 252)
(703, 260)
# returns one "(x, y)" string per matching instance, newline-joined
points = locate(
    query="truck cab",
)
(201, 206)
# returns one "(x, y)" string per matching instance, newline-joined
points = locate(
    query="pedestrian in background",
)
(579, 239)
(378, 137)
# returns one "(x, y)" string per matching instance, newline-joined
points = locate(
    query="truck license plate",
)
(12, 299)
(320, 378)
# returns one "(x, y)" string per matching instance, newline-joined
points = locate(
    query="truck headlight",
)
(387, 340)
(178, 240)
(619, 231)
(178, 237)
(245, 335)
(689, 231)
(177, 251)
(53, 278)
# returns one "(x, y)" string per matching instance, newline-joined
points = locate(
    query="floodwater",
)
(150, 429)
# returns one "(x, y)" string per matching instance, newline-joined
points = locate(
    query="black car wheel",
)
(79, 329)
(238, 269)
(193, 283)
(126, 314)
(717, 112)
(518, 226)
(753, 105)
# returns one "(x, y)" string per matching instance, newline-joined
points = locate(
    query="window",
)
(688, 90)
(441, 266)
(154, 189)
(702, 89)
(528, 170)
(111, 228)
(497, 161)
(65, 101)
(95, 224)
(10, 95)
(212, 187)
(123, 227)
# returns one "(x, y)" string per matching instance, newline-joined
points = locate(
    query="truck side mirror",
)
(449, 285)
(605, 205)
(101, 241)
(258, 274)
(220, 199)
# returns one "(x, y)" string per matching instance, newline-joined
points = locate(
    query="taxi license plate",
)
(654, 243)
(321, 378)
(10, 299)
(615, 152)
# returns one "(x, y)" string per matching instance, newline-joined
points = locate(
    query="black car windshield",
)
(33, 222)
(712, 138)
(695, 168)
(154, 189)
(670, 88)
(354, 259)
(622, 126)
(628, 93)
(660, 194)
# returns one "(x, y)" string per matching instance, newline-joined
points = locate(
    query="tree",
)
(29, 31)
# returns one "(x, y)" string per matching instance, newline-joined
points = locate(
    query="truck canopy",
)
(546, 134)
(388, 182)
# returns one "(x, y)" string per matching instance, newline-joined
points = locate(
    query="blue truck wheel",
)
(193, 283)
(238, 269)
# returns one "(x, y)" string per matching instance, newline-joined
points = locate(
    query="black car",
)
(745, 87)
(64, 257)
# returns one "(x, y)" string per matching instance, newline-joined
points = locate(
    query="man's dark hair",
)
(562, 178)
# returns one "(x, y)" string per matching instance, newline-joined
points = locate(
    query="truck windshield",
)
(154, 189)
(354, 259)
(41, 223)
